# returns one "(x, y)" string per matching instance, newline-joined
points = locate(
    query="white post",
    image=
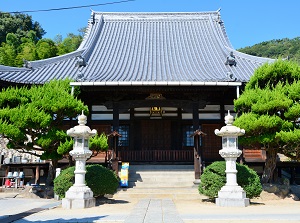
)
(237, 91)
(57, 172)
(72, 90)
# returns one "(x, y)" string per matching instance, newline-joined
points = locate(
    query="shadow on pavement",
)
(103, 200)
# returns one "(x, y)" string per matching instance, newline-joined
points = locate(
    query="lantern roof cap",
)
(81, 130)
(229, 129)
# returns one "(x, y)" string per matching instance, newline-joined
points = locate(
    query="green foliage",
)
(279, 48)
(65, 147)
(19, 24)
(269, 108)
(46, 48)
(21, 38)
(69, 44)
(31, 118)
(64, 181)
(8, 54)
(100, 179)
(99, 143)
(214, 178)
(269, 75)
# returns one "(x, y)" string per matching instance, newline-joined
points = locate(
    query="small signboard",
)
(124, 174)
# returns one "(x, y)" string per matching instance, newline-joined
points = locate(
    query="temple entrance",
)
(155, 141)
(155, 135)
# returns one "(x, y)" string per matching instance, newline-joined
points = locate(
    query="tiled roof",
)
(146, 48)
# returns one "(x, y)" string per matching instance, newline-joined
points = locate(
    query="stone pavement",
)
(154, 211)
(148, 210)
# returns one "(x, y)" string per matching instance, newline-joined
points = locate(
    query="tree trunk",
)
(270, 166)
(70, 159)
(51, 172)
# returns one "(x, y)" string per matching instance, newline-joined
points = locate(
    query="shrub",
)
(100, 179)
(64, 181)
(214, 178)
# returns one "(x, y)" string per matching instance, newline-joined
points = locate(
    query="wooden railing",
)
(156, 155)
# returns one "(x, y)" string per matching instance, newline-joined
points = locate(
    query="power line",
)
(73, 7)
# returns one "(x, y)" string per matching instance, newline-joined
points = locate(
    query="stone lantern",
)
(231, 195)
(80, 195)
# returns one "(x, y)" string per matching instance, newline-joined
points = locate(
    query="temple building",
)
(155, 78)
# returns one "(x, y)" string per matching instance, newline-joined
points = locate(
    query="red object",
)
(7, 183)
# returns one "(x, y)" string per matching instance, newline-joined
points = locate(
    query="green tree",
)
(19, 24)
(31, 118)
(21, 38)
(27, 52)
(69, 44)
(278, 48)
(7, 55)
(46, 48)
(98, 143)
(269, 111)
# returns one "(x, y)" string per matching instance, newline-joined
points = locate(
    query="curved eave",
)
(16, 69)
(43, 71)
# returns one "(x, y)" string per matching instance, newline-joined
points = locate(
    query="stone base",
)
(197, 182)
(78, 203)
(79, 197)
(232, 196)
(228, 202)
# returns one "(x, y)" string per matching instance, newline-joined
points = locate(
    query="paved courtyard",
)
(147, 210)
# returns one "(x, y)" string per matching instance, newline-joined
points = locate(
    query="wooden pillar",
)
(114, 162)
(198, 154)
(116, 123)
(132, 130)
(197, 158)
(222, 112)
(179, 129)
(89, 116)
(293, 175)
(116, 119)
(195, 116)
(37, 175)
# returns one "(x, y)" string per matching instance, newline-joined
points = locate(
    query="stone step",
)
(159, 185)
(147, 176)
(191, 189)
(180, 193)
(160, 179)
(160, 167)
(163, 173)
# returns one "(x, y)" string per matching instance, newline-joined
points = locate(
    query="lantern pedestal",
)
(232, 196)
(79, 195)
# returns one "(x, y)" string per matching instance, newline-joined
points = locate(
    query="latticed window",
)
(124, 132)
(187, 131)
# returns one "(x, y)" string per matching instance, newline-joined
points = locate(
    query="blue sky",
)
(247, 22)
